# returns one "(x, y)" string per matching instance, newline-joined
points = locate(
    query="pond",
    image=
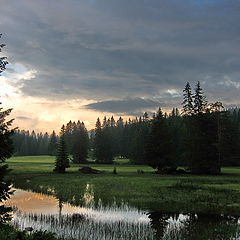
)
(93, 221)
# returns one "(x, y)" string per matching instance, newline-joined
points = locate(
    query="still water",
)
(93, 221)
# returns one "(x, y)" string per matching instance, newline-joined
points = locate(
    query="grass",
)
(8, 232)
(164, 193)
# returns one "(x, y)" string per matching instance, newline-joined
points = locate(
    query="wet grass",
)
(8, 232)
(165, 193)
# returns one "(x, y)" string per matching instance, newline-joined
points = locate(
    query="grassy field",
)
(165, 193)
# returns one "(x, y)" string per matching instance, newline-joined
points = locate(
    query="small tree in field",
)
(62, 160)
(6, 150)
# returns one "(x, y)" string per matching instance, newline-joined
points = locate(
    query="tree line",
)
(33, 144)
(202, 138)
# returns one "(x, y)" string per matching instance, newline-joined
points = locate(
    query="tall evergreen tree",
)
(80, 143)
(201, 136)
(62, 160)
(103, 151)
(97, 144)
(52, 146)
(3, 60)
(6, 150)
(159, 149)
(107, 142)
(187, 100)
(200, 101)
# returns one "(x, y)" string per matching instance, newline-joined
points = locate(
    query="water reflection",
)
(90, 221)
(195, 226)
(95, 221)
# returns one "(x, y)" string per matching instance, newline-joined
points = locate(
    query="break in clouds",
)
(124, 56)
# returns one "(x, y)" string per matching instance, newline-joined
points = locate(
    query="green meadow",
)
(137, 185)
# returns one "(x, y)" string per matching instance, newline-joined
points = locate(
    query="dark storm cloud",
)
(132, 106)
(109, 49)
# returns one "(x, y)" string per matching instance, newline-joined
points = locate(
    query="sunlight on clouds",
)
(6, 90)
(27, 75)
(40, 114)
(46, 115)
(228, 82)
(173, 92)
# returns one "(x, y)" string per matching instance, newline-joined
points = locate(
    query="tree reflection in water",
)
(194, 226)
(97, 221)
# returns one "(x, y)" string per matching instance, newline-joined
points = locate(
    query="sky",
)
(83, 59)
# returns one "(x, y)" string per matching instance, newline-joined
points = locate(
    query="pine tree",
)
(107, 142)
(140, 134)
(69, 136)
(97, 144)
(52, 146)
(200, 101)
(201, 138)
(103, 151)
(3, 60)
(159, 149)
(62, 160)
(6, 150)
(80, 143)
(33, 144)
(187, 100)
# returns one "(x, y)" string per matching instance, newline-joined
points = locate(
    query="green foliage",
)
(202, 136)
(103, 150)
(171, 193)
(77, 141)
(62, 160)
(187, 100)
(159, 149)
(80, 143)
(9, 233)
(52, 146)
(32, 144)
(199, 100)
(205, 137)
(6, 150)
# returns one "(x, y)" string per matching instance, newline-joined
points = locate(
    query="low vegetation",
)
(9, 233)
(135, 184)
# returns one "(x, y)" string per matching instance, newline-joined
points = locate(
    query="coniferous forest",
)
(200, 138)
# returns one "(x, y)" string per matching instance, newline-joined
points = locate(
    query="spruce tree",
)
(80, 143)
(107, 142)
(52, 146)
(62, 160)
(187, 100)
(159, 149)
(6, 150)
(200, 101)
(97, 143)
(201, 135)
(3, 60)
(103, 151)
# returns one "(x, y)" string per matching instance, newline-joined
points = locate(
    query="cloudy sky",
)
(80, 59)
